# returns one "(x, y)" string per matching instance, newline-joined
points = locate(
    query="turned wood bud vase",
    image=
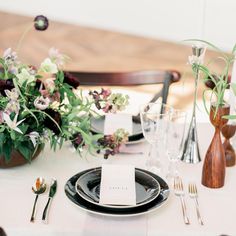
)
(213, 172)
(228, 132)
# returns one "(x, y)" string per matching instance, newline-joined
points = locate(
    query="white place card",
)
(118, 185)
(117, 121)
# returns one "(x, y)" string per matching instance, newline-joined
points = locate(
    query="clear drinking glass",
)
(175, 140)
(154, 121)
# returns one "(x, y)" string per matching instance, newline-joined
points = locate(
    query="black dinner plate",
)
(88, 187)
(97, 126)
(161, 199)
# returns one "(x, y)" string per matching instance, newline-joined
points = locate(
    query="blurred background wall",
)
(173, 20)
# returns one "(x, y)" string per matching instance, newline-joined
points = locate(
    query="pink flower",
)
(12, 106)
(41, 103)
(9, 55)
(44, 93)
(58, 58)
(105, 93)
(107, 108)
(49, 84)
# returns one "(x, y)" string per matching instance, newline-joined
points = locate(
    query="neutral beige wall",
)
(173, 20)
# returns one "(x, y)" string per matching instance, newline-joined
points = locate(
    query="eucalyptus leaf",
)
(7, 150)
(25, 152)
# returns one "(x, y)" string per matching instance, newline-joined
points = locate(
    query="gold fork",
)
(179, 191)
(192, 190)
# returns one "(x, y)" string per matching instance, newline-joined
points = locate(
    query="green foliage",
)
(218, 79)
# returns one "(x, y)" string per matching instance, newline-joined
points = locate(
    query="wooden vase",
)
(17, 159)
(228, 132)
(213, 172)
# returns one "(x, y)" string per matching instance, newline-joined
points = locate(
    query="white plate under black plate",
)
(88, 187)
(97, 126)
(160, 200)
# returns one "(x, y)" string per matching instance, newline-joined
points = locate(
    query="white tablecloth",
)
(218, 206)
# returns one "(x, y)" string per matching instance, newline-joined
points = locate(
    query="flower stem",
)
(195, 90)
(28, 28)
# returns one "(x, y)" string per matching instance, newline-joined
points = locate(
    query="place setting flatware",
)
(52, 192)
(38, 188)
(179, 192)
(193, 193)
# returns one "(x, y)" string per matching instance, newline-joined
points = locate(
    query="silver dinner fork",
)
(192, 189)
(179, 191)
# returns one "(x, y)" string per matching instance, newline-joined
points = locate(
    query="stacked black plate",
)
(83, 190)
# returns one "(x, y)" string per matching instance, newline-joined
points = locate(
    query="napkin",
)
(118, 185)
(117, 121)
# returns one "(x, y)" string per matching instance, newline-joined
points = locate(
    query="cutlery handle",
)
(34, 207)
(184, 209)
(46, 210)
(198, 212)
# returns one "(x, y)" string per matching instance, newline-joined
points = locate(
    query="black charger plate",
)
(88, 187)
(161, 199)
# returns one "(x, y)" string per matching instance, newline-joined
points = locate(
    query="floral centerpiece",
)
(39, 105)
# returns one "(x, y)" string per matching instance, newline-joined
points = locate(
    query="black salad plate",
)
(88, 187)
(97, 126)
(74, 197)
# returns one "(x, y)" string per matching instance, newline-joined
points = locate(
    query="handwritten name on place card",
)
(118, 185)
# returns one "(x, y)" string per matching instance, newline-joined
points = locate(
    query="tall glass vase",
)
(191, 152)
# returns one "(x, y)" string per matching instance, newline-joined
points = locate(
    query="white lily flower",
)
(48, 66)
(12, 124)
(25, 76)
(65, 101)
(12, 94)
(33, 137)
(197, 59)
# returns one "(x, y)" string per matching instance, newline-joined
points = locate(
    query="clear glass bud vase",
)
(191, 152)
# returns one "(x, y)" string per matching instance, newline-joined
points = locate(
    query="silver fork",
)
(192, 190)
(179, 191)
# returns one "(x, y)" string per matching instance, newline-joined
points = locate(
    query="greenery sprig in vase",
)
(216, 81)
(213, 172)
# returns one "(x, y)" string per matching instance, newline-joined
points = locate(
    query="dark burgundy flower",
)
(210, 84)
(6, 84)
(50, 124)
(109, 144)
(77, 140)
(41, 22)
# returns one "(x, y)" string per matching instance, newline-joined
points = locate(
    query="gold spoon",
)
(39, 188)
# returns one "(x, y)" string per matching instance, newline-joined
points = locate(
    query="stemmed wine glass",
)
(154, 121)
(175, 140)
